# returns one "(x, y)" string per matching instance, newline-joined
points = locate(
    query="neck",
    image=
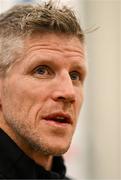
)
(45, 161)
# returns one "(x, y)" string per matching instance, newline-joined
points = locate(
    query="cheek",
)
(21, 90)
(79, 102)
(15, 98)
(28, 99)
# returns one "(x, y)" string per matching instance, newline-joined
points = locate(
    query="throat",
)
(44, 161)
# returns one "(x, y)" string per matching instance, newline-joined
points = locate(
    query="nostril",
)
(67, 99)
(61, 98)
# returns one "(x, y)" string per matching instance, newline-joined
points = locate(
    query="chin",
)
(58, 151)
(55, 150)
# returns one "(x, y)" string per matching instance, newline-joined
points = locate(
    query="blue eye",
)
(43, 71)
(75, 76)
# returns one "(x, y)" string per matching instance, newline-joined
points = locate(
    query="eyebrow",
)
(82, 66)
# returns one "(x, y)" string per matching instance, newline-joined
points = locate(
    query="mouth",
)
(59, 118)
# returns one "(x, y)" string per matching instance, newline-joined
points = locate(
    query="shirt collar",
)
(15, 163)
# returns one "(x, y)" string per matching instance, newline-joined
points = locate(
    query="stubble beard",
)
(32, 139)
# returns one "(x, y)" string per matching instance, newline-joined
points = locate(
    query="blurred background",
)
(96, 148)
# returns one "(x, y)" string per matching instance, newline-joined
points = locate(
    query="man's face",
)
(42, 93)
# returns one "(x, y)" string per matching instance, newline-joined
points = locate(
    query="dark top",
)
(15, 164)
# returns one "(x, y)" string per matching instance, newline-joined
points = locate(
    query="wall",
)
(103, 89)
(97, 145)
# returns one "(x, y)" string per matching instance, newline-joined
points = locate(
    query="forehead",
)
(60, 49)
(60, 43)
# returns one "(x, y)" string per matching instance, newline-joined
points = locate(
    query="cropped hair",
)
(22, 20)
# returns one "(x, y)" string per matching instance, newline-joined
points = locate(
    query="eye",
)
(75, 76)
(43, 71)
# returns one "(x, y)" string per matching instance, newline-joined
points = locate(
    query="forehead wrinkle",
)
(69, 51)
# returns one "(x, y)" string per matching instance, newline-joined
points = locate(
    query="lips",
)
(61, 118)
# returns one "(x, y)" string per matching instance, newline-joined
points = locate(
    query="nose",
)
(64, 90)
